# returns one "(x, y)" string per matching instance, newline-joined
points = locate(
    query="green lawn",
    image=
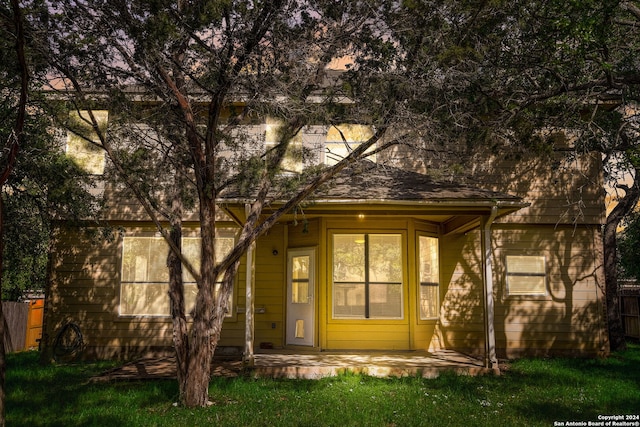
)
(536, 392)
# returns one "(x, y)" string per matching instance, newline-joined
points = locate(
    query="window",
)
(526, 275)
(300, 279)
(367, 276)
(304, 149)
(145, 276)
(85, 154)
(292, 161)
(342, 139)
(429, 277)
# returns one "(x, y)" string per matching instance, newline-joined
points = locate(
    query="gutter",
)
(516, 203)
(491, 360)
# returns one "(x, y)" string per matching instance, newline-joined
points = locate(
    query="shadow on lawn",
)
(60, 395)
(578, 389)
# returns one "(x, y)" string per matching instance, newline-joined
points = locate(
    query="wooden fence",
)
(630, 308)
(23, 324)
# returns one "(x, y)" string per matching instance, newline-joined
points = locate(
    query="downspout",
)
(248, 359)
(491, 360)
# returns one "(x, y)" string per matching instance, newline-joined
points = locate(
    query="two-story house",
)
(383, 258)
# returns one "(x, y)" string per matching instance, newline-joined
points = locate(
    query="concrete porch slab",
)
(312, 365)
(284, 364)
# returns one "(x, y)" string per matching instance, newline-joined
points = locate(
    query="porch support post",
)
(491, 360)
(248, 358)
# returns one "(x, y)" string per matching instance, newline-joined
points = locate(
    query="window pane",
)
(526, 285)
(144, 260)
(526, 275)
(348, 258)
(429, 301)
(385, 258)
(385, 301)
(190, 292)
(525, 264)
(342, 139)
(292, 161)
(191, 251)
(300, 279)
(144, 299)
(428, 272)
(224, 245)
(85, 154)
(300, 267)
(300, 292)
(348, 300)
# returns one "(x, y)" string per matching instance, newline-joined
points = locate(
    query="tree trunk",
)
(196, 391)
(614, 319)
(200, 342)
(176, 295)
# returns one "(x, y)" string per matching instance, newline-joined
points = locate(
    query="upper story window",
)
(145, 276)
(343, 139)
(293, 159)
(526, 275)
(315, 144)
(80, 148)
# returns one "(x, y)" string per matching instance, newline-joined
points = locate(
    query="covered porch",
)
(407, 214)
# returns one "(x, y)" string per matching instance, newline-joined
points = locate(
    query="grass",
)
(533, 392)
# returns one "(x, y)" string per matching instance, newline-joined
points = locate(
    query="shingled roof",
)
(369, 181)
(371, 189)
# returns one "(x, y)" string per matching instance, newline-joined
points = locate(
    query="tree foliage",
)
(517, 73)
(37, 181)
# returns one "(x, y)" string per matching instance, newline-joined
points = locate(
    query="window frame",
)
(419, 282)
(367, 280)
(508, 274)
(188, 281)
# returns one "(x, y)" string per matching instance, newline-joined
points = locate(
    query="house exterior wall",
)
(85, 280)
(562, 224)
(568, 320)
(86, 290)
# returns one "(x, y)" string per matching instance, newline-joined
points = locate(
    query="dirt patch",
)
(163, 368)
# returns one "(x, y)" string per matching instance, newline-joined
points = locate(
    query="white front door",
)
(300, 296)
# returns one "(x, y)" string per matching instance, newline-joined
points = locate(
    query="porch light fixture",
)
(360, 216)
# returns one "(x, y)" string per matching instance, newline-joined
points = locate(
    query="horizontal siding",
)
(561, 187)
(270, 288)
(85, 290)
(425, 337)
(361, 335)
(571, 313)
